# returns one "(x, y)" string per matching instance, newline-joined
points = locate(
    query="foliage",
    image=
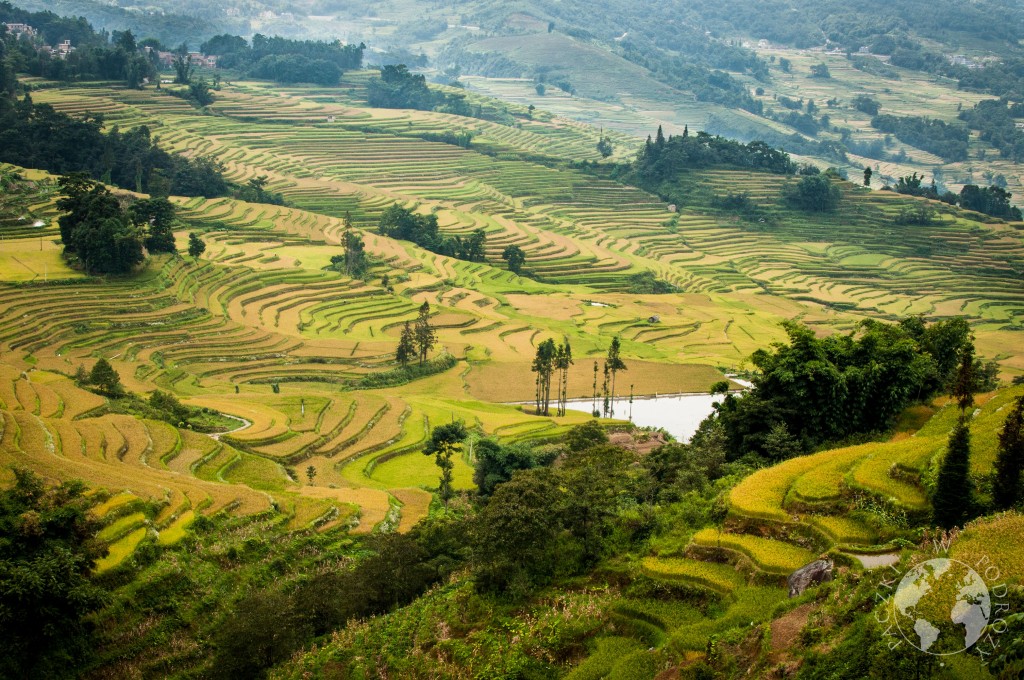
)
(820, 387)
(47, 552)
(515, 257)
(1006, 485)
(991, 200)
(400, 223)
(96, 230)
(496, 463)
(423, 333)
(406, 349)
(397, 88)
(445, 441)
(196, 245)
(953, 503)
(994, 119)
(647, 283)
(37, 136)
(813, 193)
(284, 60)
(934, 136)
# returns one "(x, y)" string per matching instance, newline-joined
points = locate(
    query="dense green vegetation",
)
(935, 136)
(35, 135)
(814, 391)
(283, 60)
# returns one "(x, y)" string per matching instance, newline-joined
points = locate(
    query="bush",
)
(813, 193)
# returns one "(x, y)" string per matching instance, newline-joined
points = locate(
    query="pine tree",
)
(424, 335)
(1006, 491)
(106, 378)
(963, 383)
(406, 345)
(953, 502)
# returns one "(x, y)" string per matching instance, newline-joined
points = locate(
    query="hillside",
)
(298, 476)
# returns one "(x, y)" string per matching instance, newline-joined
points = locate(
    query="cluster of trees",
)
(663, 159)
(934, 136)
(812, 391)
(47, 554)
(515, 258)
(106, 236)
(401, 223)
(994, 118)
(36, 136)
(417, 339)
(549, 360)
(992, 200)
(398, 88)
(814, 193)
(97, 56)
(286, 61)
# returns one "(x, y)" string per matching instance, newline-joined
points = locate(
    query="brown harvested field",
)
(415, 506)
(508, 382)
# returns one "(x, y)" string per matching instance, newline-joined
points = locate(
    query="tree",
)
(310, 474)
(423, 334)
(47, 554)
(157, 216)
(95, 229)
(867, 176)
(541, 89)
(953, 502)
(496, 463)
(184, 69)
(196, 245)
(515, 257)
(355, 252)
(820, 71)
(604, 146)
(563, 360)
(964, 382)
(406, 351)
(1006, 485)
(614, 362)
(514, 535)
(586, 436)
(544, 366)
(106, 378)
(445, 440)
(200, 93)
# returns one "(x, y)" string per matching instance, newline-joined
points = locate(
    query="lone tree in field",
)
(867, 176)
(515, 257)
(311, 474)
(1006, 490)
(355, 251)
(614, 362)
(406, 351)
(423, 333)
(196, 245)
(445, 440)
(106, 378)
(544, 367)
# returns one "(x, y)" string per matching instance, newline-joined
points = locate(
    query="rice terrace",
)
(290, 363)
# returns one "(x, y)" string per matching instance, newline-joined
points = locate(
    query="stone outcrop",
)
(818, 571)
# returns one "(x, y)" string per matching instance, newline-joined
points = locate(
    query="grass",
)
(984, 543)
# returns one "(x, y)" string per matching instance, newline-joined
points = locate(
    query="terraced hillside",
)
(847, 504)
(263, 330)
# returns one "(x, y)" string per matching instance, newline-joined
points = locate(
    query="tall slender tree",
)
(424, 334)
(966, 377)
(614, 362)
(563, 360)
(593, 411)
(1006, 491)
(953, 502)
(445, 441)
(544, 363)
